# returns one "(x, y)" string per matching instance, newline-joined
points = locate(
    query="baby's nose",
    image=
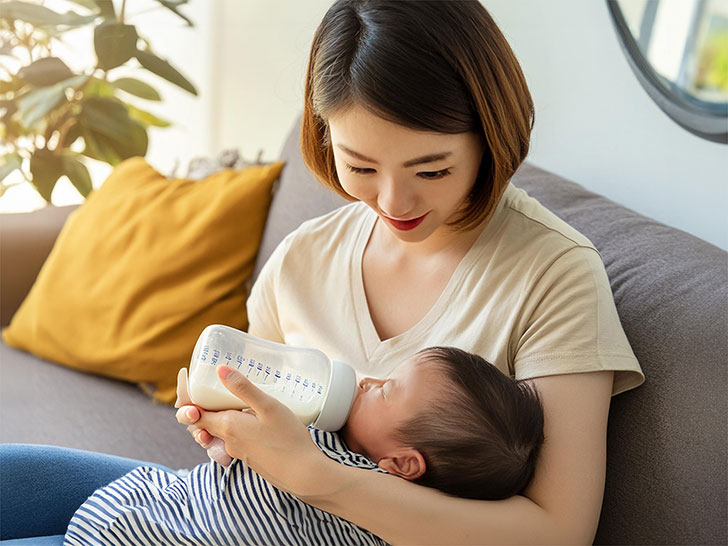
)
(366, 383)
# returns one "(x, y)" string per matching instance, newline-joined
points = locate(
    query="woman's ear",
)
(406, 462)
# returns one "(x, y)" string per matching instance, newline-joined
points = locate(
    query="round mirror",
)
(679, 51)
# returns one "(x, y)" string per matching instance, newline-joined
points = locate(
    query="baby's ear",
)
(405, 462)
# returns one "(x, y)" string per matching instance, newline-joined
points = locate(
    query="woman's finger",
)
(188, 415)
(183, 395)
(204, 437)
(244, 389)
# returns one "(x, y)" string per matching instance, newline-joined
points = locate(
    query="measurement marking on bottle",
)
(239, 360)
(215, 357)
(267, 374)
(251, 365)
(228, 357)
(205, 353)
(288, 378)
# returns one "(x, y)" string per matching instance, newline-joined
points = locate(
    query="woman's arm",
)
(561, 506)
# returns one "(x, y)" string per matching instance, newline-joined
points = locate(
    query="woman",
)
(419, 112)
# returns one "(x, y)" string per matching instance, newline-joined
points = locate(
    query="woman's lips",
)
(406, 225)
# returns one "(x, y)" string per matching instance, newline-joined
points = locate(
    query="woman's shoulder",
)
(533, 221)
(532, 232)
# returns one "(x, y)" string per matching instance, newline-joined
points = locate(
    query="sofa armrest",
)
(26, 239)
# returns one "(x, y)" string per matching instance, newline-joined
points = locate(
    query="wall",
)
(263, 53)
(596, 125)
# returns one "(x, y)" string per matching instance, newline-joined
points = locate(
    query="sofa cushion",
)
(141, 268)
(43, 403)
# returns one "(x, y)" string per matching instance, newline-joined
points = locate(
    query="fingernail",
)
(224, 372)
(190, 413)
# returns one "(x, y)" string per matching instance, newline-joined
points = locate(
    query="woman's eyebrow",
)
(429, 158)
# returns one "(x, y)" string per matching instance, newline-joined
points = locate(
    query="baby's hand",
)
(216, 451)
(188, 414)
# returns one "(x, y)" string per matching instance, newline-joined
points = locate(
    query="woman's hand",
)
(189, 414)
(268, 437)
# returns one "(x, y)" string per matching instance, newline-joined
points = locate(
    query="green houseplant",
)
(46, 108)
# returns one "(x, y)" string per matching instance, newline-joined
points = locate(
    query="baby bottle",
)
(318, 390)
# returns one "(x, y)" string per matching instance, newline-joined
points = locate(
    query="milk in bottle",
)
(318, 390)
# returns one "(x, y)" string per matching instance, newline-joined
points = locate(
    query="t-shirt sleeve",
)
(570, 324)
(262, 304)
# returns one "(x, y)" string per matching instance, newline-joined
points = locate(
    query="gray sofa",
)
(666, 479)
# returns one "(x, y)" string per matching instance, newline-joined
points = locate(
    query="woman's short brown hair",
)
(439, 66)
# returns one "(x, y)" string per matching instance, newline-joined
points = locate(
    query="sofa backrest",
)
(297, 198)
(666, 479)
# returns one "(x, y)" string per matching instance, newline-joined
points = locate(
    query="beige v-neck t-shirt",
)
(530, 296)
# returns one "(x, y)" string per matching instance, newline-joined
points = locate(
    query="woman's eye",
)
(434, 175)
(431, 175)
(358, 170)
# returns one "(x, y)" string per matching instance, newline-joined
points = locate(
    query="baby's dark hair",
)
(482, 439)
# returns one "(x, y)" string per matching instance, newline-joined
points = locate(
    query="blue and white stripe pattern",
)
(212, 506)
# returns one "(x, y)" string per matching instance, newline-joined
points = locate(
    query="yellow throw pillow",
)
(141, 268)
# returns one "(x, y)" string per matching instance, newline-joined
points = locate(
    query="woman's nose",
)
(395, 199)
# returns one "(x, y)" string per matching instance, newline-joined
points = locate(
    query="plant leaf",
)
(99, 88)
(109, 132)
(97, 147)
(45, 71)
(172, 5)
(10, 162)
(115, 44)
(39, 102)
(163, 69)
(137, 88)
(71, 135)
(38, 15)
(46, 169)
(106, 9)
(77, 173)
(107, 116)
(146, 118)
(103, 148)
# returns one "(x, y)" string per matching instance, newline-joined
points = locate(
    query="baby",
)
(445, 410)
(444, 418)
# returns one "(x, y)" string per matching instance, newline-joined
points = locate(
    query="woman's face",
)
(414, 180)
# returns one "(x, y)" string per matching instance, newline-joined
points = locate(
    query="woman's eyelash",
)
(430, 175)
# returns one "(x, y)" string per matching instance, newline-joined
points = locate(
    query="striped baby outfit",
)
(212, 506)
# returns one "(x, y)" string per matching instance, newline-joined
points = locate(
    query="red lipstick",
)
(406, 225)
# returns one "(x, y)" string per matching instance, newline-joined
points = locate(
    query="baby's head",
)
(448, 419)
